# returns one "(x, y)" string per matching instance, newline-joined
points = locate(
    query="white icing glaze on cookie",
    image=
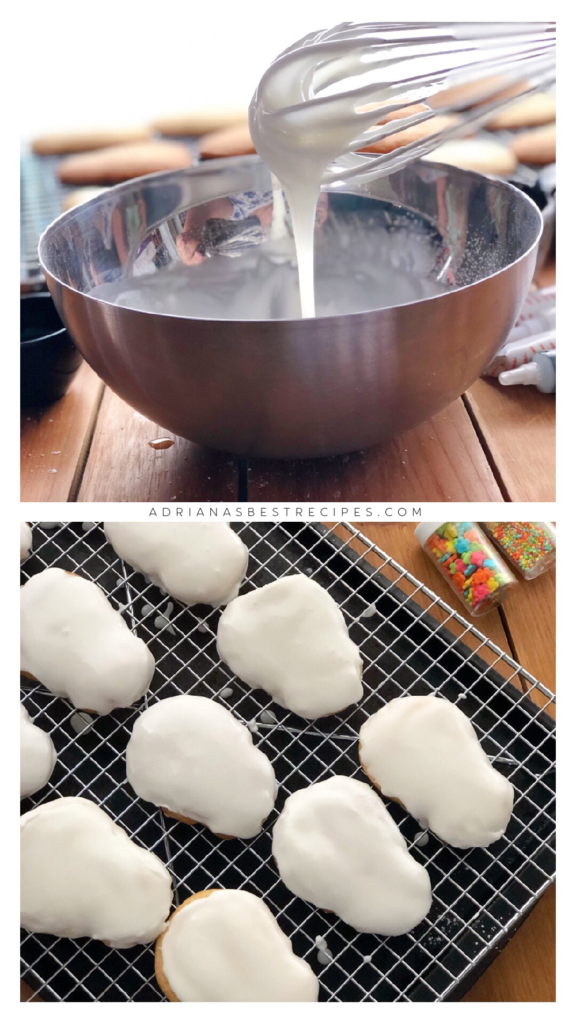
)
(37, 756)
(77, 645)
(228, 947)
(290, 639)
(25, 541)
(197, 563)
(424, 752)
(192, 757)
(336, 845)
(81, 875)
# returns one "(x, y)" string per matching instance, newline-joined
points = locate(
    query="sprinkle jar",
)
(530, 547)
(467, 560)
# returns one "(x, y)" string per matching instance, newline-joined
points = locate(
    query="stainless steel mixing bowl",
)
(290, 387)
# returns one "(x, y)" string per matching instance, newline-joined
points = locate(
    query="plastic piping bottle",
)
(541, 372)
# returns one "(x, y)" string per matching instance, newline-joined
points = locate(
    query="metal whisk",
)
(459, 73)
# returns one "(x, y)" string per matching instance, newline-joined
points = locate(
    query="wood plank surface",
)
(121, 465)
(518, 425)
(55, 439)
(441, 460)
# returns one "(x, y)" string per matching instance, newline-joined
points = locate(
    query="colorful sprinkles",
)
(472, 566)
(531, 547)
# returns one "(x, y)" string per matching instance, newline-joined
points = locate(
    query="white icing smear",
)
(37, 756)
(74, 642)
(425, 752)
(196, 563)
(228, 947)
(25, 541)
(337, 846)
(290, 639)
(192, 757)
(81, 875)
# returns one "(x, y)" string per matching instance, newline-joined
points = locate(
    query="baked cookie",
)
(483, 154)
(25, 541)
(192, 758)
(78, 646)
(199, 122)
(536, 147)
(79, 196)
(336, 846)
(225, 946)
(37, 756)
(235, 140)
(197, 563)
(60, 143)
(81, 875)
(290, 639)
(120, 163)
(526, 112)
(424, 752)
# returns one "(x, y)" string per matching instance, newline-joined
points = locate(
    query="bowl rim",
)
(207, 165)
(35, 296)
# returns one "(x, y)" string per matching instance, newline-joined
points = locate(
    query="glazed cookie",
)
(25, 541)
(337, 847)
(424, 752)
(37, 756)
(224, 945)
(192, 758)
(485, 155)
(120, 163)
(60, 143)
(197, 563)
(81, 875)
(290, 639)
(78, 646)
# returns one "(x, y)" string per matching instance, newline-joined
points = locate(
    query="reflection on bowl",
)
(180, 291)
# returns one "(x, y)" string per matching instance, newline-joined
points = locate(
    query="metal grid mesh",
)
(411, 642)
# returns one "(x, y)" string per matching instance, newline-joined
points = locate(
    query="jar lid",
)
(425, 530)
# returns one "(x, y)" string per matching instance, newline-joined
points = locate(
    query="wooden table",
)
(492, 444)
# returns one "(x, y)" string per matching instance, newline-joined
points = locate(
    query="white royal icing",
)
(192, 757)
(424, 752)
(290, 639)
(77, 645)
(336, 845)
(228, 947)
(197, 563)
(25, 541)
(37, 756)
(81, 875)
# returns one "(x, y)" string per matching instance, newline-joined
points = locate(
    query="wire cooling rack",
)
(411, 642)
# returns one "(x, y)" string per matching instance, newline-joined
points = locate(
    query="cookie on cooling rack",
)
(225, 945)
(37, 756)
(526, 112)
(120, 163)
(235, 140)
(424, 752)
(191, 757)
(60, 143)
(25, 540)
(482, 154)
(81, 875)
(78, 646)
(196, 563)
(290, 639)
(537, 146)
(336, 846)
(192, 123)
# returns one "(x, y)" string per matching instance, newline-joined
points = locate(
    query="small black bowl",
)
(49, 359)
